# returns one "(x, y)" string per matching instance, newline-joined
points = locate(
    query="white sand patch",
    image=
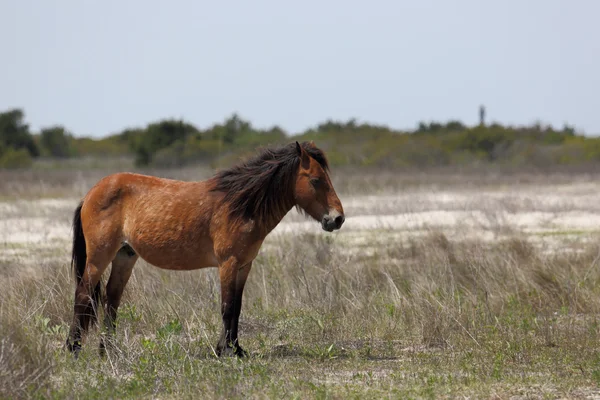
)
(526, 221)
(550, 199)
(32, 230)
(578, 220)
(7, 208)
(461, 214)
(38, 208)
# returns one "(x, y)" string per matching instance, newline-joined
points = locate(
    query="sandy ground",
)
(548, 214)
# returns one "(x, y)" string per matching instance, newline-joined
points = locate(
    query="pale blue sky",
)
(98, 67)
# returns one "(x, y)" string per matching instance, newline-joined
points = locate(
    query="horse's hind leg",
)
(87, 299)
(122, 266)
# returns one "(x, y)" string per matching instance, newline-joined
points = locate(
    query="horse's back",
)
(114, 190)
(162, 219)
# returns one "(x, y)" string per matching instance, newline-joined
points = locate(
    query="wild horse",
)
(177, 225)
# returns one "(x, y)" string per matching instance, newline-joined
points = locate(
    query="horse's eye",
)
(316, 182)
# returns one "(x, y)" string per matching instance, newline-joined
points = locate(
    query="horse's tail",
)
(79, 258)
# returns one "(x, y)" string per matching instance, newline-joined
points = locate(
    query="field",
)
(441, 284)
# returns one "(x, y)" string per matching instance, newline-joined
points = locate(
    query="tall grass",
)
(325, 315)
(425, 317)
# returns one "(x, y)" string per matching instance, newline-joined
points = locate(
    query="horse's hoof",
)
(106, 346)
(224, 351)
(230, 351)
(102, 350)
(74, 348)
(241, 353)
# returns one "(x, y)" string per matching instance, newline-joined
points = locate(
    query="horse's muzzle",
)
(333, 221)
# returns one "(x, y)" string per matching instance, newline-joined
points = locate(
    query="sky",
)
(100, 67)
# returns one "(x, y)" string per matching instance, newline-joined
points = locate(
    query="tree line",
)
(173, 143)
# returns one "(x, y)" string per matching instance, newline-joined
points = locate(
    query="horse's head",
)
(314, 192)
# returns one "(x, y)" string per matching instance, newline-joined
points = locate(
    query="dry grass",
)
(417, 314)
(75, 180)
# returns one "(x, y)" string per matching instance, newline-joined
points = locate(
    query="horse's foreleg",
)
(242, 275)
(233, 278)
(122, 266)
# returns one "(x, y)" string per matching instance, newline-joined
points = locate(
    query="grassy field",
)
(441, 284)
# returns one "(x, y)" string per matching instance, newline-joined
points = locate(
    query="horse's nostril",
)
(339, 221)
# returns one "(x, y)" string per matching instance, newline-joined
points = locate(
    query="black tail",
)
(79, 257)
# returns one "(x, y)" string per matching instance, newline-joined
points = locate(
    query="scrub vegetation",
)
(505, 308)
(169, 143)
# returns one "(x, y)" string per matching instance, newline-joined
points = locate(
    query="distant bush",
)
(172, 156)
(174, 143)
(56, 142)
(158, 137)
(15, 158)
(14, 133)
(113, 145)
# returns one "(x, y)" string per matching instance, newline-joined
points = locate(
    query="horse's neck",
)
(272, 223)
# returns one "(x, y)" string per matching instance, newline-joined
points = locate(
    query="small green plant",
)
(173, 327)
(323, 352)
(44, 325)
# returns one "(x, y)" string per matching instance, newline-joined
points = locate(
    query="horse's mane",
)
(258, 188)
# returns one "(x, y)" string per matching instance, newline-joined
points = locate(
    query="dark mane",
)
(258, 188)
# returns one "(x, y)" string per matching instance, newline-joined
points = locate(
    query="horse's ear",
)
(304, 157)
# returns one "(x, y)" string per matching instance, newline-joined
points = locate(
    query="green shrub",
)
(56, 142)
(14, 133)
(15, 159)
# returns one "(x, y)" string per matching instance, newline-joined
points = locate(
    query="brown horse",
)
(176, 225)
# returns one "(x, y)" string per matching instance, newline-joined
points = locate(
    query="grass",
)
(414, 316)
(45, 182)
(431, 319)
(570, 232)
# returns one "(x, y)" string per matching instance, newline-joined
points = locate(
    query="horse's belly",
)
(175, 238)
(176, 256)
